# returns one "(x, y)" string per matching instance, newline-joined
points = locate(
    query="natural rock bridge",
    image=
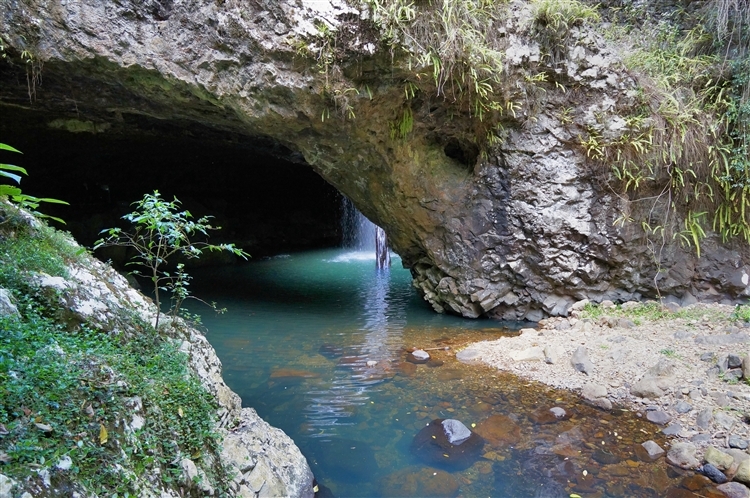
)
(520, 232)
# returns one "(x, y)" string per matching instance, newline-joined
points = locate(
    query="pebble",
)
(683, 407)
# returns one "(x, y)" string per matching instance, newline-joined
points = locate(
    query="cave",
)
(265, 198)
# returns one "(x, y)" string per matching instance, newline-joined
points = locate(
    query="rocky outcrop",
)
(523, 232)
(262, 459)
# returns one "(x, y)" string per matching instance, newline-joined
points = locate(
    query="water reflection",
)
(361, 365)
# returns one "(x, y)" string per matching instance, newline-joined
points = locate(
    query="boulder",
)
(734, 490)
(544, 415)
(704, 418)
(432, 445)
(581, 362)
(6, 304)
(552, 354)
(534, 353)
(718, 458)
(419, 481)
(499, 430)
(649, 451)
(713, 473)
(646, 388)
(746, 366)
(743, 472)
(418, 357)
(683, 455)
(658, 417)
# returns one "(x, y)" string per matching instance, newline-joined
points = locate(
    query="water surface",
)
(316, 343)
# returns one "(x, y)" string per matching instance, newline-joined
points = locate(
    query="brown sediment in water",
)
(588, 451)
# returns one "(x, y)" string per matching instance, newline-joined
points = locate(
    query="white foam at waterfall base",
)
(353, 256)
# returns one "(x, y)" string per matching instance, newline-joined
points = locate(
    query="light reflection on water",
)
(351, 395)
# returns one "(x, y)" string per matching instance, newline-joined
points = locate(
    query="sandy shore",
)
(678, 367)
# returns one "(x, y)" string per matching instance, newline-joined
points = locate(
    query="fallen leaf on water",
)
(103, 434)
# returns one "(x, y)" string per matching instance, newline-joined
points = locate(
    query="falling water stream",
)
(316, 342)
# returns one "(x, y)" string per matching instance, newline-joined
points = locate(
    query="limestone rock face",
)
(523, 232)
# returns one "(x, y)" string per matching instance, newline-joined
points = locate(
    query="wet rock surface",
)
(420, 481)
(433, 444)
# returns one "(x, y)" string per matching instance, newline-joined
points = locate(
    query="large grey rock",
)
(724, 420)
(6, 486)
(658, 417)
(651, 451)
(266, 458)
(743, 472)
(734, 490)
(704, 418)
(746, 366)
(455, 431)
(534, 353)
(683, 455)
(646, 388)
(718, 459)
(6, 304)
(581, 362)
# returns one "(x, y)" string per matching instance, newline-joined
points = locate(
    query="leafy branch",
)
(161, 231)
(16, 195)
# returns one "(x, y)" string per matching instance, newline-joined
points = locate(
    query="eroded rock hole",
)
(464, 153)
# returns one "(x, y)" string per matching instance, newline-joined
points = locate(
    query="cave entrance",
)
(265, 198)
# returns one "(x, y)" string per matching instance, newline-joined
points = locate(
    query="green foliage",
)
(27, 248)
(452, 41)
(553, 20)
(651, 311)
(67, 394)
(159, 232)
(741, 313)
(15, 195)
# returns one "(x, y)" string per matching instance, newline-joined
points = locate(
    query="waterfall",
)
(360, 234)
(382, 256)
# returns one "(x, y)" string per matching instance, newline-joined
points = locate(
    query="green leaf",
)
(15, 178)
(11, 167)
(8, 147)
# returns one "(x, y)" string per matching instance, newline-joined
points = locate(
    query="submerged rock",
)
(418, 357)
(331, 351)
(432, 445)
(419, 481)
(499, 430)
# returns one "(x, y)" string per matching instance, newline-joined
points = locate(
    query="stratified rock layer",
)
(523, 232)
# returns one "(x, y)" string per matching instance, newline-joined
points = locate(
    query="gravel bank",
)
(681, 368)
